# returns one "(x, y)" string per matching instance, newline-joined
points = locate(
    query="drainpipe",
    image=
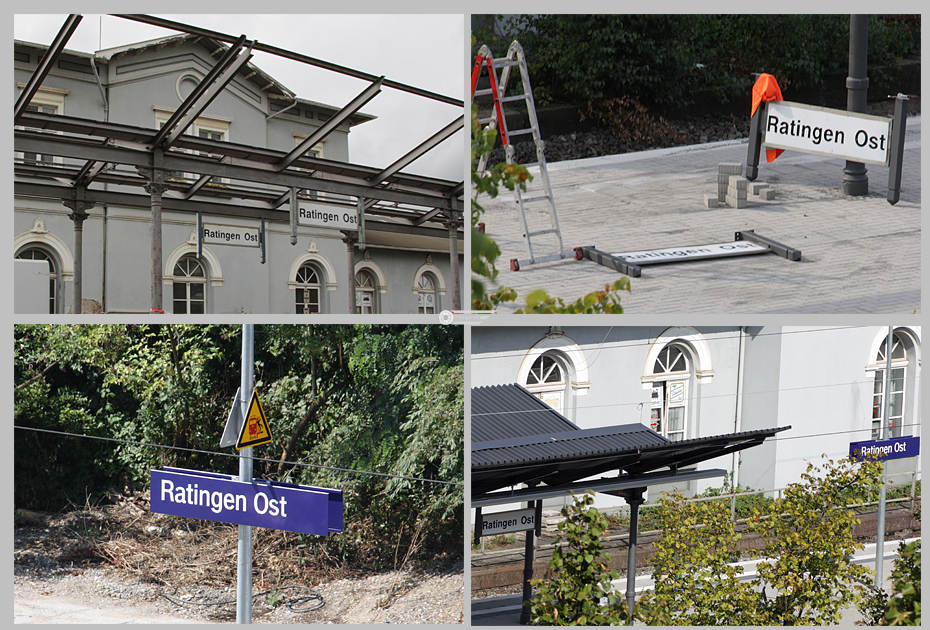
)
(281, 111)
(738, 412)
(106, 118)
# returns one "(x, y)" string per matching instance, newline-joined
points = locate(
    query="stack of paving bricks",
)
(733, 189)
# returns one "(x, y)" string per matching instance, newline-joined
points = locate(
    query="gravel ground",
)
(110, 566)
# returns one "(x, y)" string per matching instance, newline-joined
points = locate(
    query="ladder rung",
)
(518, 97)
(521, 132)
(484, 92)
(530, 199)
(550, 231)
(484, 121)
(504, 63)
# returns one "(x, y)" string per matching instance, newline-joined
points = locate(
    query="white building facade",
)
(243, 263)
(827, 383)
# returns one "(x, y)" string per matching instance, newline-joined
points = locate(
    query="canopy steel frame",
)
(150, 152)
(45, 66)
(287, 54)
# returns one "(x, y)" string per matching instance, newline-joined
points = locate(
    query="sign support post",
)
(897, 148)
(244, 552)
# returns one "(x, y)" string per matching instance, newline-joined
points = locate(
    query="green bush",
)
(666, 59)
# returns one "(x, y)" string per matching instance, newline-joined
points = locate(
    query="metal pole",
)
(855, 177)
(350, 285)
(635, 499)
(528, 557)
(454, 258)
(880, 539)
(244, 567)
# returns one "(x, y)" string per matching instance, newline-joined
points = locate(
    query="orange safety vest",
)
(766, 89)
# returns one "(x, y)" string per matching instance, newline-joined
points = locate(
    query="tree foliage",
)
(903, 608)
(580, 593)
(805, 576)
(383, 399)
(666, 59)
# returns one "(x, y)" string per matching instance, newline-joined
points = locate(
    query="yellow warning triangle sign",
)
(254, 429)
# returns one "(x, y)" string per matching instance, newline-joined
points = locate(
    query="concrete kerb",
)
(653, 199)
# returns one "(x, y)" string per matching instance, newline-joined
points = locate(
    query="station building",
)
(84, 200)
(826, 383)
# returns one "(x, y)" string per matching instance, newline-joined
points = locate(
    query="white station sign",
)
(229, 235)
(696, 252)
(322, 215)
(504, 522)
(830, 132)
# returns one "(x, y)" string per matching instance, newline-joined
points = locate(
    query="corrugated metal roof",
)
(500, 412)
(516, 438)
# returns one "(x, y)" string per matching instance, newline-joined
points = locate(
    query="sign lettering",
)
(830, 132)
(512, 521)
(676, 254)
(322, 215)
(228, 235)
(894, 448)
(260, 503)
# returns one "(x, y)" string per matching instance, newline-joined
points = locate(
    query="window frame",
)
(187, 280)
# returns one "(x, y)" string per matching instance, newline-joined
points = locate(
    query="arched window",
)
(365, 294)
(671, 374)
(189, 286)
(36, 253)
(897, 389)
(308, 290)
(548, 380)
(427, 299)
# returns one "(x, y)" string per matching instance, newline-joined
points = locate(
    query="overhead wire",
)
(260, 459)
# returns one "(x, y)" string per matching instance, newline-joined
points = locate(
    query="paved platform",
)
(859, 254)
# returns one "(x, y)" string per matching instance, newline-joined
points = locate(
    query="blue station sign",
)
(260, 503)
(895, 448)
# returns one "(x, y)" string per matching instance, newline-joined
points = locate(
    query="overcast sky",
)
(425, 51)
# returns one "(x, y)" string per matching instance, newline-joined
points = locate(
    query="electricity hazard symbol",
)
(255, 429)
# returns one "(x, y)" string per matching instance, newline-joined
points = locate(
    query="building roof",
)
(518, 439)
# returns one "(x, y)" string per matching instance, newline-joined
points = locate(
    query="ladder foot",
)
(514, 264)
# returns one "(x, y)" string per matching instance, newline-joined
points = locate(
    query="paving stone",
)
(730, 168)
(655, 199)
(738, 182)
(736, 202)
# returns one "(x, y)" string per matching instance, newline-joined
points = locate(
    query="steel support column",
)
(156, 187)
(349, 240)
(634, 497)
(452, 225)
(79, 206)
(855, 175)
(528, 557)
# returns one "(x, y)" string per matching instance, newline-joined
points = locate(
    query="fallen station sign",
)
(223, 498)
(698, 252)
(830, 132)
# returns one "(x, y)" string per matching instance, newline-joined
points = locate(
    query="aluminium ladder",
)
(498, 90)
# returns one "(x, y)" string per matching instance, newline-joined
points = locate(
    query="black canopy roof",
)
(517, 438)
